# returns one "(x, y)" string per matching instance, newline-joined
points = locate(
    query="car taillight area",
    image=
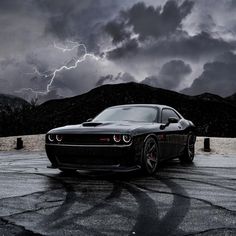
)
(89, 139)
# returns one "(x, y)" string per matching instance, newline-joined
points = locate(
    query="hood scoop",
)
(91, 124)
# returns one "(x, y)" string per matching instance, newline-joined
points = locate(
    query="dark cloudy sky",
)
(182, 45)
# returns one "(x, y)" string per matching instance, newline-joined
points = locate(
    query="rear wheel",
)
(189, 150)
(150, 156)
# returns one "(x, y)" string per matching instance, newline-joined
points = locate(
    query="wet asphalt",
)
(197, 199)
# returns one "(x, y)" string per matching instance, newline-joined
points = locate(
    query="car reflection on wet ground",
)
(197, 199)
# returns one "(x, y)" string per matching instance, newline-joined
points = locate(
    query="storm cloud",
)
(165, 43)
(161, 34)
(218, 77)
(149, 21)
(78, 20)
(183, 46)
(170, 76)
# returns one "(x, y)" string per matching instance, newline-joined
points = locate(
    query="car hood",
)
(104, 127)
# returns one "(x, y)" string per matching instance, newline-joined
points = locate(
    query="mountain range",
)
(12, 102)
(212, 114)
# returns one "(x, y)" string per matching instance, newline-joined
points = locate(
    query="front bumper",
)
(93, 157)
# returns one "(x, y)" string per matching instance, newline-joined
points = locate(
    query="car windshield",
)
(132, 113)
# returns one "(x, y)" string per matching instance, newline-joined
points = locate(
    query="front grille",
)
(87, 139)
(91, 155)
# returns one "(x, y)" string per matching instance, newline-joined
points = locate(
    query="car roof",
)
(142, 105)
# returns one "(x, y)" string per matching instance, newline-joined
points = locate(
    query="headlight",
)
(126, 138)
(59, 137)
(117, 138)
(51, 138)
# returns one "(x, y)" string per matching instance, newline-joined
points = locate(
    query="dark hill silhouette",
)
(213, 115)
(210, 97)
(12, 102)
(232, 98)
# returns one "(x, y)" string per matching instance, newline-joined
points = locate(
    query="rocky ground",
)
(30, 142)
(223, 146)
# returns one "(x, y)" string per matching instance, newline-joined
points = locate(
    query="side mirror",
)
(171, 120)
(90, 119)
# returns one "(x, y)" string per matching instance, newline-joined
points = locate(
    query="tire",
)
(189, 151)
(150, 156)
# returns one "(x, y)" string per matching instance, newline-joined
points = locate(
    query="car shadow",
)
(112, 175)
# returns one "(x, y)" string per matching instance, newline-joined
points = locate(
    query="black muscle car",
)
(123, 138)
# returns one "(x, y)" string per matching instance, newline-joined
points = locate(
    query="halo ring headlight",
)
(126, 138)
(59, 137)
(117, 138)
(51, 138)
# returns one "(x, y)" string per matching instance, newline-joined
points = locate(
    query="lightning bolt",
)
(79, 60)
(66, 48)
(52, 75)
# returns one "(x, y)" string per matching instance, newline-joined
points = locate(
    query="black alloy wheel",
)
(150, 156)
(189, 151)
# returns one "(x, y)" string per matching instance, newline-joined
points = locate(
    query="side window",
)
(166, 113)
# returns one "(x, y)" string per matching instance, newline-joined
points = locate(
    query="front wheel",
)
(150, 156)
(189, 150)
